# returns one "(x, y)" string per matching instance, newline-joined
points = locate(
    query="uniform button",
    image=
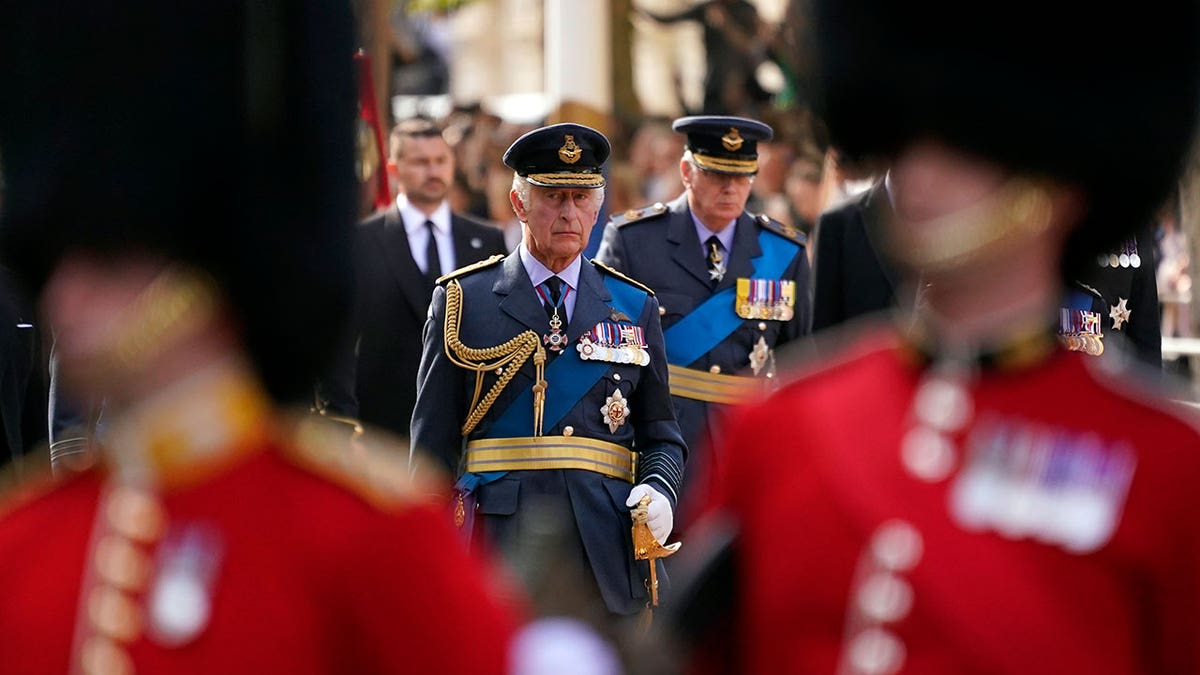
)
(662, 311)
(927, 454)
(762, 325)
(101, 655)
(942, 404)
(114, 614)
(715, 370)
(897, 546)
(876, 652)
(617, 377)
(885, 597)
(135, 514)
(121, 564)
(568, 431)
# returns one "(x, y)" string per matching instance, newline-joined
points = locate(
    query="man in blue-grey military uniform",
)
(543, 380)
(733, 286)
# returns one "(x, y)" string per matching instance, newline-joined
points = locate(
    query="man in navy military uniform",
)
(733, 286)
(543, 381)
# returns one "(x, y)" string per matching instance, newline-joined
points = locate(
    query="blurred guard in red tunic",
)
(962, 495)
(180, 188)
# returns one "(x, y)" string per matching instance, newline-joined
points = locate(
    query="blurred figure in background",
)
(803, 191)
(735, 44)
(199, 298)
(654, 154)
(23, 380)
(959, 493)
(1174, 278)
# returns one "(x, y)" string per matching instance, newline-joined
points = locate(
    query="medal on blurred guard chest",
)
(179, 603)
(1029, 480)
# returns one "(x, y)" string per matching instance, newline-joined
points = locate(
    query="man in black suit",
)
(398, 255)
(850, 277)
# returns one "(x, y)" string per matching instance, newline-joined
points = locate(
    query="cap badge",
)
(732, 140)
(570, 152)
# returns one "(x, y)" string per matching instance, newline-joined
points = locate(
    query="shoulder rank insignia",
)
(634, 215)
(783, 230)
(471, 268)
(608, 270)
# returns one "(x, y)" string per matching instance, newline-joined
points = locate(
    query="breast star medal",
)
(758, 355)
(615, 411)
(1119, 314)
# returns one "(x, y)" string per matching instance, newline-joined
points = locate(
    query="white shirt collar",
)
(725, 236)
(414, 219)
(539, 273)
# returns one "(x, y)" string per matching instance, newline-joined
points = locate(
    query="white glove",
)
(659, 516)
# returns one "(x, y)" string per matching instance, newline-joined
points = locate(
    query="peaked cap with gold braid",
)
(723, 144)
(560, 155)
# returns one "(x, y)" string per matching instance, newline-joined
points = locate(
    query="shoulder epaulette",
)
(633, 282)
(470, 268)
(635, 215)
(781, 229)
(367, 465)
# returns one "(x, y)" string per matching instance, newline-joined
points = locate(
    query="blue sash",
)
(569, 378)
(714, 320)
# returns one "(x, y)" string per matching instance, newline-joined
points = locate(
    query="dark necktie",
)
(715, 259)
(554, 288)
(433, 263)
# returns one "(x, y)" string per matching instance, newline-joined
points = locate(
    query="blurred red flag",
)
(370, 133)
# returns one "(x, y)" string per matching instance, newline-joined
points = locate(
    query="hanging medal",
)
(556, 339)
(716, 271)
(179, 603)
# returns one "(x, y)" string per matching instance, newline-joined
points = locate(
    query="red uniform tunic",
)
(262, 562)
(1053, 529)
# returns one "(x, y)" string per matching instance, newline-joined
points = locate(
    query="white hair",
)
(523, 187)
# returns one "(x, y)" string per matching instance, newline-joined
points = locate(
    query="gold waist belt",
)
(711, 387)
(532, 453)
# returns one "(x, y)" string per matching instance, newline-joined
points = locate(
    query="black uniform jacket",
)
(499, 303)
(659, 247)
